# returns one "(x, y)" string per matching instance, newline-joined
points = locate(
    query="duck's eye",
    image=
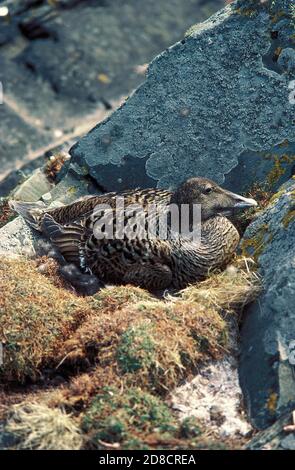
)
(208, 189)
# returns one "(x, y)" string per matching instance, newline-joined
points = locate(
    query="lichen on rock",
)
(268, 327)
(211, 103)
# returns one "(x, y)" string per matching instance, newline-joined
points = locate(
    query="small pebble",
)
(217, 415)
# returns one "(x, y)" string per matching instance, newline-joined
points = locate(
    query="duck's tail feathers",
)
(32, 212)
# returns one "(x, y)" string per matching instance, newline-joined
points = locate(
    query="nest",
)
(122, 338)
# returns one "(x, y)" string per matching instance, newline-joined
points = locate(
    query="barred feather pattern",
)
(149, 262)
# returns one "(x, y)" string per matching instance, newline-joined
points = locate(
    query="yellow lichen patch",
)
(288, 218)
(272, 402)
(245, 12)
(104, 78)
(276, 196)
(255, 246)
(279, 15)
(72, 190)
(278, 169)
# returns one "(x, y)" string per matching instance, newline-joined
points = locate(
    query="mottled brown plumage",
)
(149, 262)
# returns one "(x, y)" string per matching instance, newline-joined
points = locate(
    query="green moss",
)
(35, 318)
(137, 444)
(190, 428)
(134, 419)
(112, 429)
(136, 348)
(156, 343)
(127, 417)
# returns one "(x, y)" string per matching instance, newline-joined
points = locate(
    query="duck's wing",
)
(67, 238)
(82, 209)
(34, 212)
(71, 227)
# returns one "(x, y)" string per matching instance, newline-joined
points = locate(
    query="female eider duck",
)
(150, 261)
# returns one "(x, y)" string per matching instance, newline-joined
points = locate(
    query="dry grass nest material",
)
(38, 427)
(54, 165)
(114, 419)
(120, 335)
(121, 351)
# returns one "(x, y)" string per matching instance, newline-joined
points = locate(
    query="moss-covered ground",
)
(109, 360)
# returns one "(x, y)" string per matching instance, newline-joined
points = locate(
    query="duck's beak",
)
(241, 202)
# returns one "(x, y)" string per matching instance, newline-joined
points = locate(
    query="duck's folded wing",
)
(82, 209)
(67, 238)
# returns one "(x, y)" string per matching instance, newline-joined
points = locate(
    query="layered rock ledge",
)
(218, 103)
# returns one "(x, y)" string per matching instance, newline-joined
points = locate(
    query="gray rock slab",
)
(267, 362)
(274, 437)
(63, 62)
(100, 43)
(33, 98)
(18, 139)
(215, 104)
(33, 188)
(17, 239)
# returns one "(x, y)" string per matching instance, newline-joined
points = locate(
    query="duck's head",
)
(213, 199)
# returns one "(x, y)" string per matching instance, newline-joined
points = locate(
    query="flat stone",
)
(7, 440)
(18, 239)
(288, 443)
(274, 437)
(100, 44)
(33, 188)
(64, 64)
(34, 99)
(214, 104)
(267, 373)
(17, 139)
